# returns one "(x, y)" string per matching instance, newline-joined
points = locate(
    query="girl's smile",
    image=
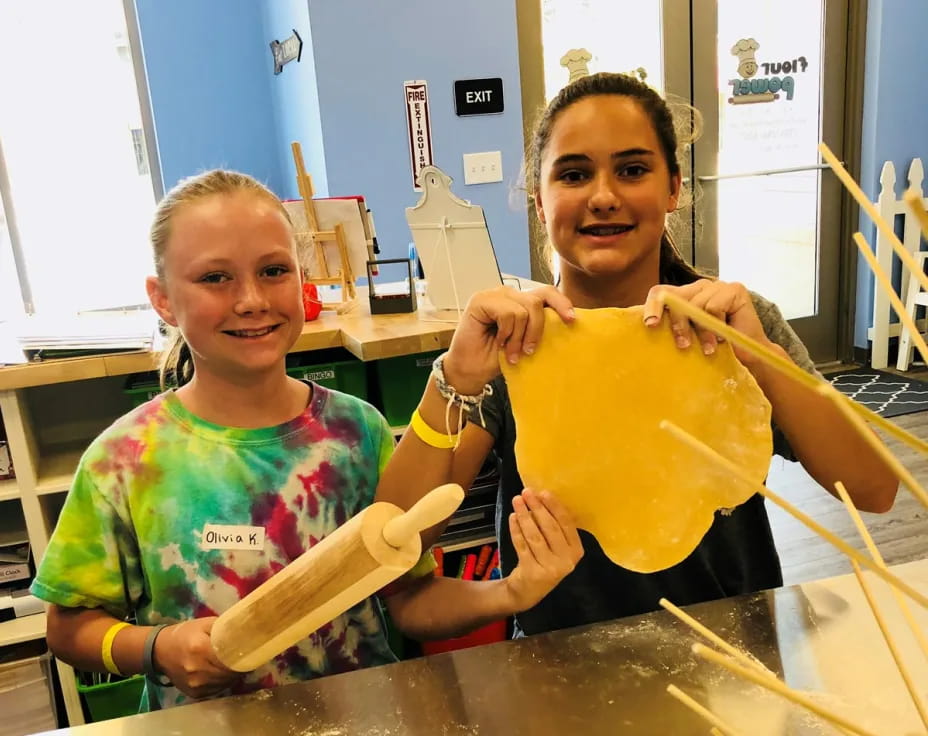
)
(253, 333)
(604, 234)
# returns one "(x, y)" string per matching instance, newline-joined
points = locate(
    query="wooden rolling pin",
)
(370, 550)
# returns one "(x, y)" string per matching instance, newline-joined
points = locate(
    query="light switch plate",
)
(483, 168)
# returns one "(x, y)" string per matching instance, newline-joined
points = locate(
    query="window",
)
(74, 171)
(11, 302)
(611, 36)
(620, 35)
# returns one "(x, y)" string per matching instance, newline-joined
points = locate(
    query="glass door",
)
(589, 26)
(769, 79)
(561, 39)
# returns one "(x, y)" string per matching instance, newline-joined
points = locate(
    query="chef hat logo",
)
(744, 50)
(575, 62)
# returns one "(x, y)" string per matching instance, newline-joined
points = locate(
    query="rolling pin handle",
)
(435, 506)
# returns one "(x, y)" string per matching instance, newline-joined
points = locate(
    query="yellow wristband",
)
(429, 436)
(106, 650)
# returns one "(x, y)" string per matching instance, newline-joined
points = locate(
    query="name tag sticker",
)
(228, 536)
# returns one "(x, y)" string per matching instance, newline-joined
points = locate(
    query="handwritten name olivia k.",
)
(232, 536)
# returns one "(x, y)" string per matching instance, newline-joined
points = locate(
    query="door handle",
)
(764, 172)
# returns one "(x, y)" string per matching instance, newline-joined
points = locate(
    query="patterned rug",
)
(885, 393)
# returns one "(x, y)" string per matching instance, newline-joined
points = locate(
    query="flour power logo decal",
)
(777, 80)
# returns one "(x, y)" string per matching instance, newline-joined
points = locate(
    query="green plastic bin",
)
(347, 376)
(402, 381)
(112, 699)
(142, 387)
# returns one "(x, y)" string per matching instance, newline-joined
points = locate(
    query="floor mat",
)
(886, 394)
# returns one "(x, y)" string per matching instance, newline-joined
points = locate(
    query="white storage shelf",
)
(19, 630)
(468, 543)
(26, 699)
(46, 430)
(9, 490)
(57, 466)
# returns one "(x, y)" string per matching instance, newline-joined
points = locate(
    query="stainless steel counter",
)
(602, 679)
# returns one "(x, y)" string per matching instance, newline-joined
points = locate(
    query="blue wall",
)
(295, 99)
(363, 52)
(208, 64)
(895, 116)
(216, 101)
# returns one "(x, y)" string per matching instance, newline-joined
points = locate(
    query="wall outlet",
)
(482, 168)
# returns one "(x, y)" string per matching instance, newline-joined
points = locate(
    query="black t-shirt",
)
(737, 555)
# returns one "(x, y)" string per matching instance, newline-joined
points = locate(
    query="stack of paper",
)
(87, 332)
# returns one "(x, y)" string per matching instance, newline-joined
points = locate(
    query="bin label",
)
(319, 375)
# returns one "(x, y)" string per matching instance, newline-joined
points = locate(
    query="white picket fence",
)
(884, 325)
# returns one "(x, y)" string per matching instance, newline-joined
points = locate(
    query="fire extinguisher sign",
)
(420, 127)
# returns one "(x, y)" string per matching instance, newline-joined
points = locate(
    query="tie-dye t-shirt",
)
(130, 533)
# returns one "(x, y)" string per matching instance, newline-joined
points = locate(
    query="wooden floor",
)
(901, 534)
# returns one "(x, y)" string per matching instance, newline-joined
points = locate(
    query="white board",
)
(453, 243)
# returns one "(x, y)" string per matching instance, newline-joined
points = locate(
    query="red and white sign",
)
(419, 126)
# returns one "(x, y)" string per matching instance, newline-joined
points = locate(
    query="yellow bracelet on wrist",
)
(106, 650)
(429, 436)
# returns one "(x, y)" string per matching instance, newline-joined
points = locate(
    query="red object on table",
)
(489, 634)
(312, 305)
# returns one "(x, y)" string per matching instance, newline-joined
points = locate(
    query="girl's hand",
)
(547, 544)
(729, 302)
(494, 320)
(183, 652)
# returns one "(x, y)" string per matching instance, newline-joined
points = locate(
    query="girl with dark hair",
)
(603, 173)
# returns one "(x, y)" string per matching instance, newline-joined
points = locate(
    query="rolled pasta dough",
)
(587, 406)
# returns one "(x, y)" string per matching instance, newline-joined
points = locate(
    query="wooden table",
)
(367, 337)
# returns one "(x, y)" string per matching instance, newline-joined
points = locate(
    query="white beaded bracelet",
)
(466, 402)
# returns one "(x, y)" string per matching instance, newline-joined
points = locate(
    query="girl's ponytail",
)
(176, 367)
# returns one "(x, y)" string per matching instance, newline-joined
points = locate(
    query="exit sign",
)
(478, 96)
